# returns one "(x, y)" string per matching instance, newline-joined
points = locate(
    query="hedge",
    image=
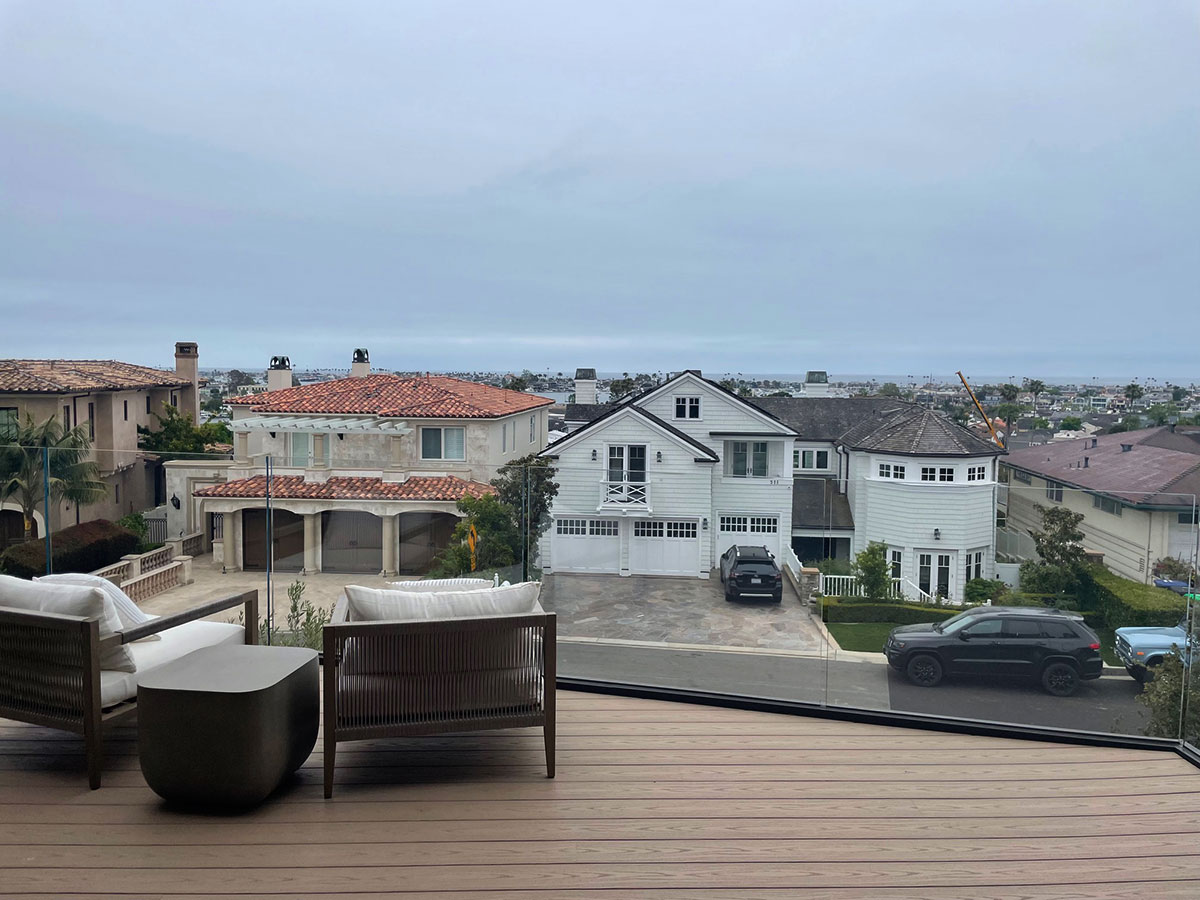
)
(834, 610)
(80, 548)
(1123, 602)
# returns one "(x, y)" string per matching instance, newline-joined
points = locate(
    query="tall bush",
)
(80, 548)
(872, 571)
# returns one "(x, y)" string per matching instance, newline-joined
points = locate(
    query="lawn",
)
(868, 636)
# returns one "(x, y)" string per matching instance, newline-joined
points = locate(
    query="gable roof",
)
(704, 454)
(69, 376)
(1149, 474)
(426, 397)
(745, 403)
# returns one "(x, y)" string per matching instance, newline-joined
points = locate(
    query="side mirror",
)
(962, 635)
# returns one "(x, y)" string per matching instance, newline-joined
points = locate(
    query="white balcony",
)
(618, 494)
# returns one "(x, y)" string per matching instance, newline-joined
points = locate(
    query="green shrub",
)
(305, 622)
(832, 566)
(872, 571)
(979, 590)
(80, 548)
(835, 610)
(1043, 578)
(1055, 601)
(1122, 602)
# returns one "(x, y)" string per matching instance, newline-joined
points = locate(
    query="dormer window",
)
(687, 407)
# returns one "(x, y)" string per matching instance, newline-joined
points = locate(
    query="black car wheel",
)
(728, 597)
(924, 670)
(1060, 679)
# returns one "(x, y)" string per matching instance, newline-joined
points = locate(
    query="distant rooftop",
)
(586, 374)
(67, 376)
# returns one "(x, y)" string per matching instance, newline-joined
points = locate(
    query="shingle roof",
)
(586, 412)
(817, 503)
(294, 487)
(62, 376)
(1149, 473)
(827, 418)
(427, 397)
(917, 431)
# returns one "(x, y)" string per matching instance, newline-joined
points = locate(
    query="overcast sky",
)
(1004, 187)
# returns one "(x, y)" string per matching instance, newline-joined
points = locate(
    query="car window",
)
(1023, 628)
(986, 628)
(756, 566)
(1059, 630)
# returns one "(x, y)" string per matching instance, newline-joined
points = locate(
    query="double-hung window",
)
(1054, 491)
(687, 407)
(928, 473)
(976, 473)
(443, 443)
(748, 459)
(532, 429)
(897, 563)
(945, 474)
(974, 565)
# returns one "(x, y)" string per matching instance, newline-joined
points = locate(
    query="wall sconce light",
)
(175, 500)
(341, 437)
(594, 457)
(272, 435)
(937, 534)
(658, 456)
(704, 524)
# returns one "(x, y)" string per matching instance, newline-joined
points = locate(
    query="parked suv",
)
(1049, 645)
(751, 572)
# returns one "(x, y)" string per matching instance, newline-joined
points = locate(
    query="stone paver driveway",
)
(676, 611)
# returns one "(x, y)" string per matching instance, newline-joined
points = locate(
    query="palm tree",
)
(1010, 392)
(1133, 392)
(27, 470)
(1035, 387)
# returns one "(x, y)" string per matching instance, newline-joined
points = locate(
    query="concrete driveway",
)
(688, 611)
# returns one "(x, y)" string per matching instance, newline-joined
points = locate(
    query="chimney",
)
(360, 367)
(585, 385)
(187, 367)
(279, 375)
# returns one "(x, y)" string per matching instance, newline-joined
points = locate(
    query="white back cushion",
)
(69, 600)
(372, 605)
(127, 611)
(442, 584)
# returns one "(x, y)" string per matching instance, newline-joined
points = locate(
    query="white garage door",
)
(747, 530)
(663, 547)
(586, 545)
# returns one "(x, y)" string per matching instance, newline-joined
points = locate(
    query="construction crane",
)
(987, 420)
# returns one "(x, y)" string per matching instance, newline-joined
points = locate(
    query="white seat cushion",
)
(70, 600)
(127, 611)
(116, 687)
(373, 605)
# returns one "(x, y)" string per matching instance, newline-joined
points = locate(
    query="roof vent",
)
(1125, 448)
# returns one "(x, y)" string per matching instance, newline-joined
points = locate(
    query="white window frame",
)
(885, 470)
(977, 473)
(441, 430)
(809, 460)
(603, 528)
(734, 524)
(896, 563)
(577, 527)
(946, 474)
(532, 429)
(898, 472)
(750, 453)
(764, 525)
(929, 473)
(689, 403)
(682, 530)
(648, 528)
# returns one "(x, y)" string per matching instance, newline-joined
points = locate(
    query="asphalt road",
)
(1107, 704)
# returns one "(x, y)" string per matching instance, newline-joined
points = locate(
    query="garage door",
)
(586, 545)
(754, 531)
(664, 548)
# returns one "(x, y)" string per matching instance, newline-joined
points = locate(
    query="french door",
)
(933, 573)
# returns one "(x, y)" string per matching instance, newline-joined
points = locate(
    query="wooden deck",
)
(652, 800)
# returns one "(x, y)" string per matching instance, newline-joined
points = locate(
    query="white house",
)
(664, 483)
(826, 474)
(367, 469)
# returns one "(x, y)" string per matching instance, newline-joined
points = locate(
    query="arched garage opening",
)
(423, 535)
(351, 541)
(287, 541)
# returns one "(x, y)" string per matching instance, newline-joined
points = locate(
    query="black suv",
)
(751, 572)
(1053, 646)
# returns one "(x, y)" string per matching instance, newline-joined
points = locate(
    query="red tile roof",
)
(429, 397)
(61, 376)
(294, 487)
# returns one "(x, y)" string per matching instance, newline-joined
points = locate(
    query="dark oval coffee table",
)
(223, 726)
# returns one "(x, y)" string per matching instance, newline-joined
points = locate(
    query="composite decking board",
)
(652, 800)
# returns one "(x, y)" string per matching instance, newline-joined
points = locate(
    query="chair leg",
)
(548, 734)
(330, 750)
(95, 760)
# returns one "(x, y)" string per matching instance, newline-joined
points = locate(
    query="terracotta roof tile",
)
(60, 376)
(430, 397)
(294, 487)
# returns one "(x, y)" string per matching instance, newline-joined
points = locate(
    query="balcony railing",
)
(624, 493)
